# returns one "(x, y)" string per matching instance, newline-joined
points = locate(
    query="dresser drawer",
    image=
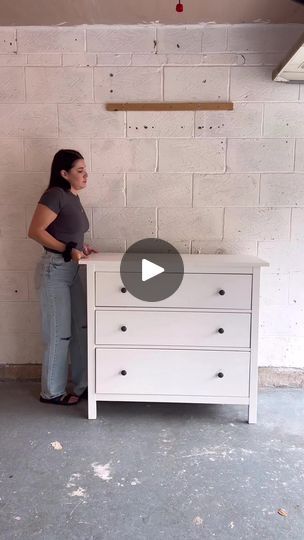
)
(126, 327)
(163, 372)
(195, 291)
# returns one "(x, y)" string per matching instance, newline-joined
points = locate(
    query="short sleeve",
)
(52, 198)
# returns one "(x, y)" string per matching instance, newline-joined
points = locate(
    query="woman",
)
(59, 224)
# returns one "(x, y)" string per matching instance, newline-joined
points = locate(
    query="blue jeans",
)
(64, 325)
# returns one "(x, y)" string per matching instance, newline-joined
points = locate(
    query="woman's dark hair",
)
(62, 160)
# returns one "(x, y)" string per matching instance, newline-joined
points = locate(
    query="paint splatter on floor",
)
(56, 445)
(102, 471)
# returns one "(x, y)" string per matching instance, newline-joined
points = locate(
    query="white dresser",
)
(199, 345)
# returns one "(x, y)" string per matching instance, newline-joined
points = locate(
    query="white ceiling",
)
(73, 12)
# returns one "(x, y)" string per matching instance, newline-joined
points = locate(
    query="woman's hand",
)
(76, 255)
(87, 249)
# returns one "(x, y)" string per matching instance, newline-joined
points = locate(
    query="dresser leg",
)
(92, 408)
(252, 414)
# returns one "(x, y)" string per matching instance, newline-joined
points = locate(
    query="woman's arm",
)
(41, 219)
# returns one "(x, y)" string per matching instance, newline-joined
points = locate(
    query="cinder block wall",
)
(228, 182)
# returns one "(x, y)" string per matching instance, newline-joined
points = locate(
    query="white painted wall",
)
(230, 182)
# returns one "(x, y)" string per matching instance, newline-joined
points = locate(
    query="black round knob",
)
(123, 328)
(123, 372)
(123, 290)
(220, 375)
(222, 292)
(221, 330)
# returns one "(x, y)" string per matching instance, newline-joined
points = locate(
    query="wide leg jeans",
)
(64, 326)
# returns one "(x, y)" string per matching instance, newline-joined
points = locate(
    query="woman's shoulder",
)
(53, 197)
(55, 189)
(54, 192)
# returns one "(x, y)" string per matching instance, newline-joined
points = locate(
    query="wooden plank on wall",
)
(170, 106)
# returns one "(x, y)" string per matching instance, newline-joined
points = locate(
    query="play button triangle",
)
(150, 269)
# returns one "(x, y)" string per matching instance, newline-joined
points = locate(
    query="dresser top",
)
(192, 263)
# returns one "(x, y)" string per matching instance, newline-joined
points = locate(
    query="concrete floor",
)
(151, 471)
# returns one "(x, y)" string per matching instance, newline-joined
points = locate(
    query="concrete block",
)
(107, 59)
(13, 286)
(119, 83)
(11, 155)
(149, 59)
(122, 222)
(59, 85)
(284, 120)
(185, 59)
(104, 190)
(121, 39)
(282, 189)
(260, 155)
(244, 121)
(284, 351)
(155, 189)
(194, 223)
(182, 246)
(262, 59)
(19, 253)
(24, 120)
(12, 88)
(230, 247)
(13, 59)
(286, 320)
(39, 153)
(49, 39)
(22, 188)
(256, 84)
(274, 289)
(8, 43)
(197, 83)
(215, 38)
(223, 59)
(20, 317)
(123, 155)
(109, 245)
(79, 59)
(257, 223)
(297, 223)
(192, 155)
(225, 190)
(283, 256)
(90, 120)
(299, 163)
(296, 290)
(21, 348)
(154, 124)
(263, 37)
(44, 59)
(181, 39)
(12, 221)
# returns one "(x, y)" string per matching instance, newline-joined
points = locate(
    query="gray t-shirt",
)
(71, 222)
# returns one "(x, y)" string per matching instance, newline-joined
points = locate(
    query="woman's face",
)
(77, 176)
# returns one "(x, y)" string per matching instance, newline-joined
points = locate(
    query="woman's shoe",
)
(64, 399)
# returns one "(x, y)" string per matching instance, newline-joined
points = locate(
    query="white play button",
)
(149, 269)
(151, 258)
